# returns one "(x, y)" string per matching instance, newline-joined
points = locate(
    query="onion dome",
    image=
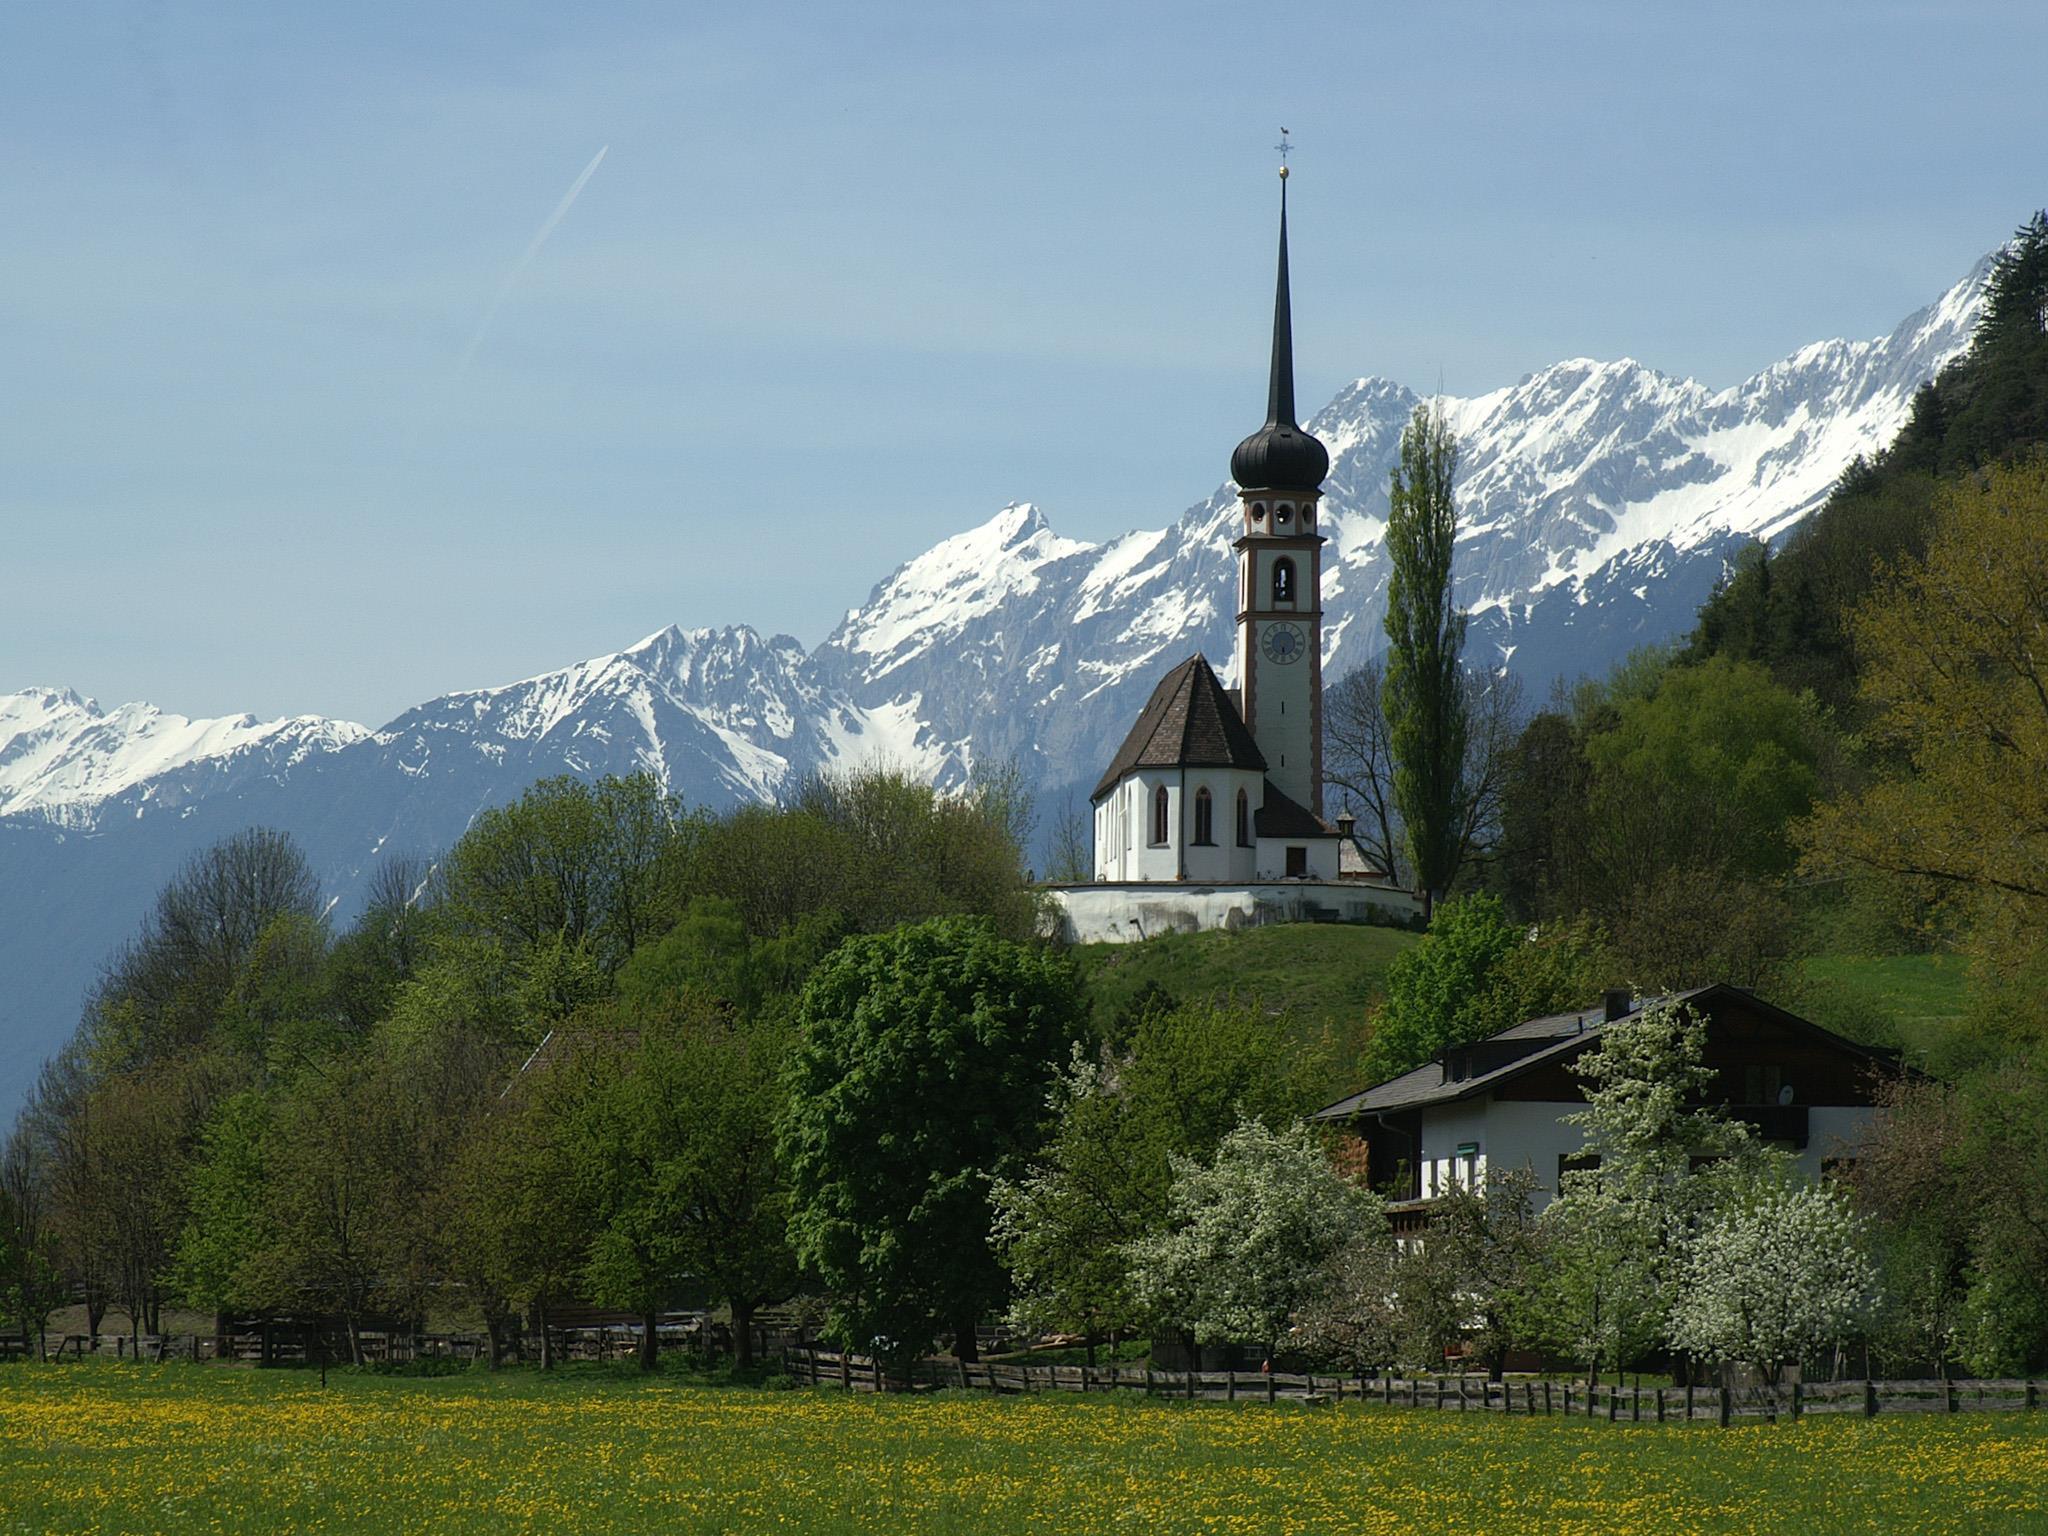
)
(1280, 456)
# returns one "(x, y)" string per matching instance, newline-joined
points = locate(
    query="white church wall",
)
(1324, 857)
(1125, 913)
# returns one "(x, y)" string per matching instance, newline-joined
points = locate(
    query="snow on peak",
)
(955, 582)
(61, 754)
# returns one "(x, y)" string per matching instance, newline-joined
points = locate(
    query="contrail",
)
(526, 260)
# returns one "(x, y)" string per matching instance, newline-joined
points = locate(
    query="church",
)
(1211, 812)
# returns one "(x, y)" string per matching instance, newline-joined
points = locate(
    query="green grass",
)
(109, 1449)
(1318, 975)
(1888, 999)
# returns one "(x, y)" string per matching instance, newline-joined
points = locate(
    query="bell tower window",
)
(1283, 582)
(1205, 818)
(1244, 819)
(1159, 818)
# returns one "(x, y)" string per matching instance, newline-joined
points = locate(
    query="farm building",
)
(1502, 1102)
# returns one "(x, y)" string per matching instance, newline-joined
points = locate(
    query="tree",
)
(586, 868)
(1954, 649)
(919, 1075)
(1490, 1244)
(1358, 762)
(1248, 1236)
(1618, 1231)
(225, 1222)
(1424, 692)
(164, 993)
(1775, 1277)
(675, 1150)
(1173, 1080)
(1351, 1316)
(518, 1232)
(31, 1284)
(1432, 988)
(1473, 974)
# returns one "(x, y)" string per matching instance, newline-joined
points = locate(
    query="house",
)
(1210, 815)
(1503, 1101)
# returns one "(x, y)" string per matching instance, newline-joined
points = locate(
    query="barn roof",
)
(1190, 721)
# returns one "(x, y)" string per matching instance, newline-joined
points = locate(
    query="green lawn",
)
(1890, 999)
(104, 1448)
(1319, 975)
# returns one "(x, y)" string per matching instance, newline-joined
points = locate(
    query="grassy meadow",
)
(1321, 977)
(105, 1448)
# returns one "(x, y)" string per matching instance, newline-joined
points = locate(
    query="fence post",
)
(1148, 1378)
(1191, 1378)
(1546, 1397)
(1272, 1387)
(1387, 1389)
(1688, 1402)
(1724, 1407)
(1614, 1402)
(2033, 1395)
(846, 1370)
(1660, 1405)
(1798, 1398)
(1869, 1398)
(1567, 1397)
(1230, 1385)
(1949, 1392)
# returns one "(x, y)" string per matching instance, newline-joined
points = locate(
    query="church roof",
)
(1280, 816)
(1190, 721)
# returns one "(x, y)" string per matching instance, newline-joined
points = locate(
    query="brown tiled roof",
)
(1280, 816)
(1189, 722)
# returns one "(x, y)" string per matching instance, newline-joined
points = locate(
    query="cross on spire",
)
(1285, 149)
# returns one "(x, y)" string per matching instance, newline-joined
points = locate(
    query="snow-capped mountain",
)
(1598, 504)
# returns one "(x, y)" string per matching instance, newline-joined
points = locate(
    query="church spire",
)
(1280, 389)
(1280, 456)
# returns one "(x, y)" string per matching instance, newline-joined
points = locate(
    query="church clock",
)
(1283, 643)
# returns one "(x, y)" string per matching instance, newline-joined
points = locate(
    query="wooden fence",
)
(1457, 1394)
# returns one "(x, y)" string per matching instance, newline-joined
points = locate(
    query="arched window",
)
(1159, 823)
(1283, 581)
(1244, 819)
(1205, 817)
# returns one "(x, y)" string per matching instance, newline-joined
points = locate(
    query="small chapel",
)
(1217, 792)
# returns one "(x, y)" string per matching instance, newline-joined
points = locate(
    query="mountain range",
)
(1599, 502)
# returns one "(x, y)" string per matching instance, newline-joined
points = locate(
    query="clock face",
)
(1283, 643)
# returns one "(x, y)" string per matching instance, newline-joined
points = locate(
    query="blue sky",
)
(848, 279)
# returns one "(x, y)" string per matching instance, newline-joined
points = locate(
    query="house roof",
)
(1280, 816)
(1468, 1071)
(1189, 722)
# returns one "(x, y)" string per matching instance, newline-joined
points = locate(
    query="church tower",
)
(1279, 470)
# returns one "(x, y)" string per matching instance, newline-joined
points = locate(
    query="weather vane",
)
(1284, 147)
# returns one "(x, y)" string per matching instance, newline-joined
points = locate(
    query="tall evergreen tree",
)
(1425, 697)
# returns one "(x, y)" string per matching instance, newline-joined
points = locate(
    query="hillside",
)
(1317, 978)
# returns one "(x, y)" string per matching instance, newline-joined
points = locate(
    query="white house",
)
(1502, 1103)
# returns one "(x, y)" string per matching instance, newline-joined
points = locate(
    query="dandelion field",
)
(108, 1448)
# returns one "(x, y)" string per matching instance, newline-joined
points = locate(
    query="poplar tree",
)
(1424, 692)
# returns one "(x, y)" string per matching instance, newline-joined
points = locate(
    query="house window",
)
(1283, 582)
(1297, 863)
(1244, 819)
(1205, 821)
(1159, 820)
(1576, 1162)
